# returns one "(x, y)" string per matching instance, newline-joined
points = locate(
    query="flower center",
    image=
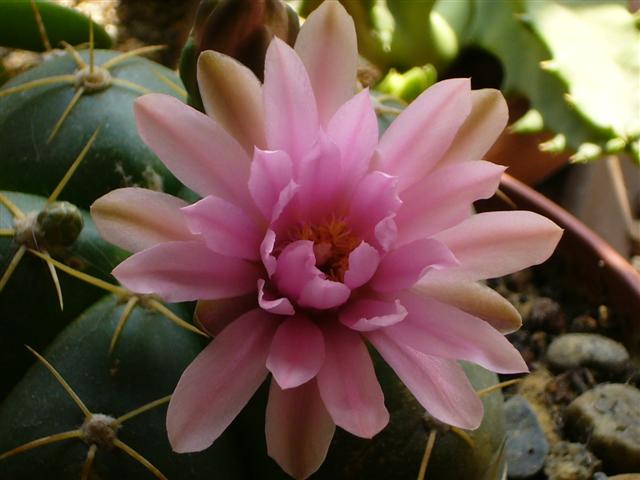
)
(333, 241)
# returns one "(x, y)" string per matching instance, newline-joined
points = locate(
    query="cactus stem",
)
(12, 207)
(497, 386)
(62, 382)
(172, 85)
(91, 46)
(96, 282)
(38, 83)
(162, 309)
(65, 114)
(71, 170)
(7, 232)
(122, 321)
(427, 454)
(12, 266)
(464, 436)
(80, 63)
(139, 458)
(56, 280)
(137, 51)
(142, 409)
(58, 437)
(88, 463)
(43, 31)
(130, 85)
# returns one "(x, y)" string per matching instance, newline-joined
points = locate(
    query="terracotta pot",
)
(595, 265)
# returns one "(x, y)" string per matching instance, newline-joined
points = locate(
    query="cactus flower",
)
(315, 237)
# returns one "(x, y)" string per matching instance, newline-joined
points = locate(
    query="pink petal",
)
(219, 382)
(299, 429)
(488, 117)
(494, 244)
(277, 306)
(474, 298)
(367, 314)
(232, 95)
(441, 330)
(323, 294)
(385, 233)
(363, 263)
(214, 315)
(295, 268)
(374, 199)
(354, 129)
(225, 228)
(271, 171)
(266, 251)
(136, 218)
(439, 385)
(297, 352)
(195, 148)
(423, 132)
(444, 198)
(290, 107)
(403, 267)
(284, 212)
(328, 47)
(319, 176)
(348, 384)
(184, 271)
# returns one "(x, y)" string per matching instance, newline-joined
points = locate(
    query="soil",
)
(552, 302)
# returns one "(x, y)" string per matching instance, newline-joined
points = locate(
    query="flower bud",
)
(241, 29)
(59, 224)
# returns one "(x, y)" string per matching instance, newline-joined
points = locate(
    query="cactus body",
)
(29, 308)
(34, 159)
(145, 366)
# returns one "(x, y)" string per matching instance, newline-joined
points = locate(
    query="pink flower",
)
(314, 236)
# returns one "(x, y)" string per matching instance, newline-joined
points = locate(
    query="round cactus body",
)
(397, 451)
(28, 301)
(144, 366)
(43, 126)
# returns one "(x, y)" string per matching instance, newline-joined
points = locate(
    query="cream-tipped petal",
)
(488, 117)
(137, 218)
(476, 299)
(328, 48)
(232, 95)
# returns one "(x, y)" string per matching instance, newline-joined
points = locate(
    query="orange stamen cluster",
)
(333, 241)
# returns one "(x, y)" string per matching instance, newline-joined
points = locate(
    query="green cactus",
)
(47, 112)
(397, 451)
(29, 301)
(19, 26)
(130, 442)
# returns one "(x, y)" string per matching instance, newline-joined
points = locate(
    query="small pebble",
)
(546, 314)
(526, 446)
(608, 417)
(584, 324)
(570, 461)
(574, 350)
